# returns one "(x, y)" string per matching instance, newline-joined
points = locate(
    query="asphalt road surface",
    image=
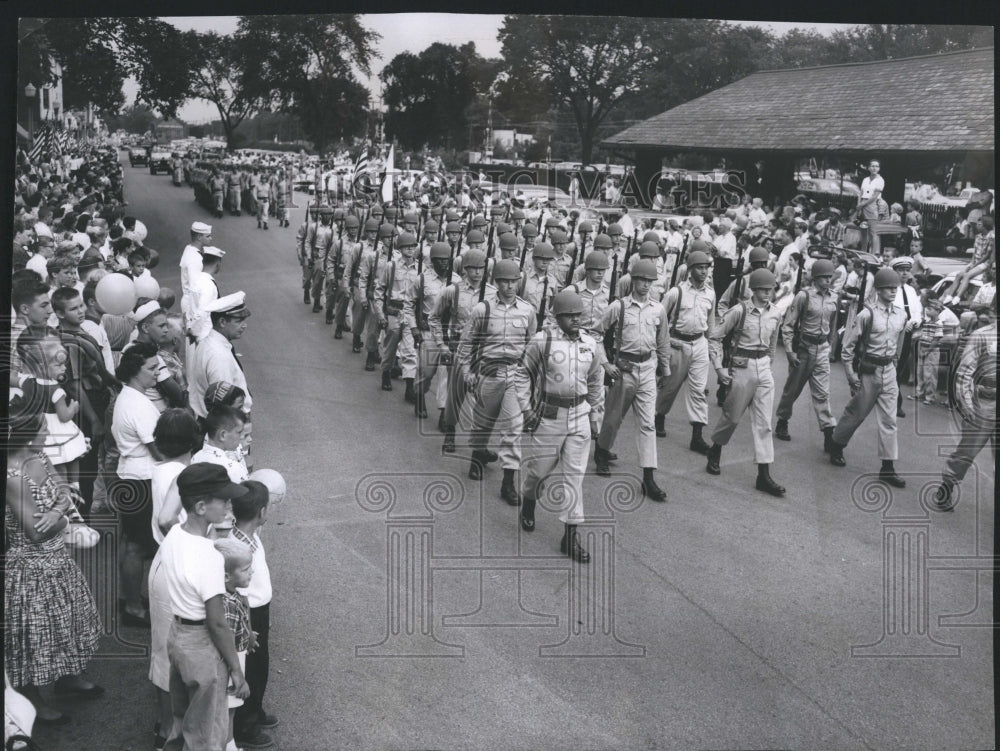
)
(409, 612)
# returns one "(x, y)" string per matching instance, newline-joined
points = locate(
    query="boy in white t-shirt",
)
(200, 635)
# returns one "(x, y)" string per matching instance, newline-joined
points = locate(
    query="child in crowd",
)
(138, 260)
(239, 569)
(223, 432)
(44, 360)
(251, 514)
(938, 321)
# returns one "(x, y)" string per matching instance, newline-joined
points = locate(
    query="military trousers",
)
(497, 408)
(636, 390)
(814, 368)
(555, 456)
(752, 389)
(878, 391)
(974, 438)
(429, 365)
(689, 364)
(397, 341)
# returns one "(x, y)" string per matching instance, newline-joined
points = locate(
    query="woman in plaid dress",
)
(51, 626)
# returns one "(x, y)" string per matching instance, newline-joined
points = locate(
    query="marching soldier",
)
(332, 264)
(536, 280)
(690, 308)
(758, 259)
(602, 245)
(394, 283)
(976, 396)
(807, 329)
(320, 241)
(367, 279)
(642, 346)
(869, 354)
(420, 304)
(593, 290)
(649, 251)
(565, 254)
(263, 196)
(361, 261)
(235, 191)
(350, 248)
(447, 321)
(492, 345)
(753, 328)
(564, 365)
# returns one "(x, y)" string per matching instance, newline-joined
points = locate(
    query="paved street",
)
(723, 619)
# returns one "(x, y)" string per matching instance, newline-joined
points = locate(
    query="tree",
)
(96, 55)
(138, 118)
(219, 75)
(305, 65)
(587, 64)
(429, 96)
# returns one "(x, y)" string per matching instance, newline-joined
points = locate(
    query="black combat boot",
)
(476, 466)
(601, 459)
(338, 333)
(650, 488)
(572, 547)
(329, 315)
(781, 430)
(697, 442)
(386, 380)
(371, 361)
(528, 514)
(943, 499)
(827, 440)
(356, 345)
(442, 428)
(410, 397)
(420, 404)
(508, 488)
(658, 422)
(765, 481)
(317, 305)
(887, 474)
(305, 295)
(714, 456)
(837, 453)
(448, 447)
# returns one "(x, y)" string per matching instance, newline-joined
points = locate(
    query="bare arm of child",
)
(222, 637)
(66, 408)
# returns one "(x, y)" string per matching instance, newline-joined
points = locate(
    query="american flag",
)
(41, 144)
(360, 168)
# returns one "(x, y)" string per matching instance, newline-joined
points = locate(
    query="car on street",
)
(137, 156)
(159, 161)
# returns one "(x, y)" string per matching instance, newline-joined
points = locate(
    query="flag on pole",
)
(387, 180)
(41, 143)
(360, 168)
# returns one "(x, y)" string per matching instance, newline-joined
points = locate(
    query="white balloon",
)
(147, 286)
(273, 480)
(116, 294)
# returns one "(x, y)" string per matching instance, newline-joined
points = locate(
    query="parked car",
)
(137, 156)
(159, 161)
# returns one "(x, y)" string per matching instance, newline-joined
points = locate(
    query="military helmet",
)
(551, 222)
(406, 240)
(651, 237)
(887, 278)
(377, 210)
(596, 260)
(470, 258)
(558, 237)
(339, 215)
(758, 255)
(822, 267)
(585, 226)
(326, 212)
(431, 227)
(410, 217)
(452, 226)
(479, 221)
(761, 279)
(507, 269)
(371, 225)
(567, 302)
(386, 230)
(391, 212)
(497, 211)
(517, 214)
(644, 269)
(697, 258)
(649, 249)
(451, 215)
(440, 250)
(542, 251)
(603, 241)
(508, 241)
(530, 230)
(614, 229)
(351, 222)
(475, 236)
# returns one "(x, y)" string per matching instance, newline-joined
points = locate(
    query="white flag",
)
(387, 181)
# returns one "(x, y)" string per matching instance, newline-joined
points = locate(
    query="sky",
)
(405, 32)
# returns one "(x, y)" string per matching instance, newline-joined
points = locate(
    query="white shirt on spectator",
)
(232, 461)
(194, 570)
(725, 244)
(213, 360)
(132, 425)
(97, 331)
(164, 489)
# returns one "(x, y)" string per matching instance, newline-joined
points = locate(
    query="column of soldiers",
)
(539, 345)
